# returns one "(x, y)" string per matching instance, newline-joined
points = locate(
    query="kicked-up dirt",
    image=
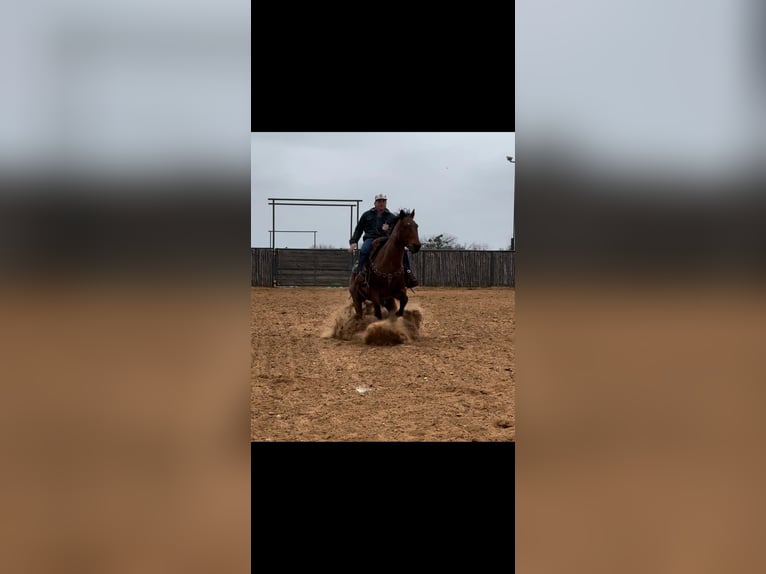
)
(442, 372)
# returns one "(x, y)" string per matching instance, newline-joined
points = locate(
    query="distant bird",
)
(510, 158)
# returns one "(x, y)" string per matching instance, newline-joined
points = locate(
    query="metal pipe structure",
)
(274, 201)
(294, 231)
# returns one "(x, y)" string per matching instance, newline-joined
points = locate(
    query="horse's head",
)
(406, 230)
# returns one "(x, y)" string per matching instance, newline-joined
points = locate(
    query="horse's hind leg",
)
(358, 299)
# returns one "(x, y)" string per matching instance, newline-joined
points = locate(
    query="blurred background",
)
(640, 300)
(124, 226)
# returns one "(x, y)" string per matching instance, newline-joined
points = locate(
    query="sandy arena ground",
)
(443, 372)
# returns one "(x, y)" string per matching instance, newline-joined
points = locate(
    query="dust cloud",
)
(391, 330)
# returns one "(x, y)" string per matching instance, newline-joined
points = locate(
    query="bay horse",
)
(386, 273)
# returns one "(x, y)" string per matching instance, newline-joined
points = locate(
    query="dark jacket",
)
(371, 224)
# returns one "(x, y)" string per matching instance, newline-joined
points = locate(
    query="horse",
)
(386, 262)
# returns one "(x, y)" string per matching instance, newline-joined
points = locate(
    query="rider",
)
(374, 223)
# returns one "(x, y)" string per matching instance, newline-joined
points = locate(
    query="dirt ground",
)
(443, 372)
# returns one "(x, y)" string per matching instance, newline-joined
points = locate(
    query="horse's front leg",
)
(402, 302)
(376, 304)
(390, 305)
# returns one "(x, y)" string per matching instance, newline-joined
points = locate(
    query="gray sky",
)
(457, 183)
(137, 88)
(663, 85)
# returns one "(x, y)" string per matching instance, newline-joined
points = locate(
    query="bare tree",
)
(442, 241)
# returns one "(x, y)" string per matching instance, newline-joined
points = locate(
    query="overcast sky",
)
(644, 86)
(457, 183)
(136, 88)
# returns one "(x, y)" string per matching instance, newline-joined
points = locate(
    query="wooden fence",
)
(332, 267)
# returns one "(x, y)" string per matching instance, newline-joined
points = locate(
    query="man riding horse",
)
(386, 280)
(376, 223)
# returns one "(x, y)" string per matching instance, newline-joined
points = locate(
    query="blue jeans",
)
(364, 252)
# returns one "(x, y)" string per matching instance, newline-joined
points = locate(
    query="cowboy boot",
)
(410, 279)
